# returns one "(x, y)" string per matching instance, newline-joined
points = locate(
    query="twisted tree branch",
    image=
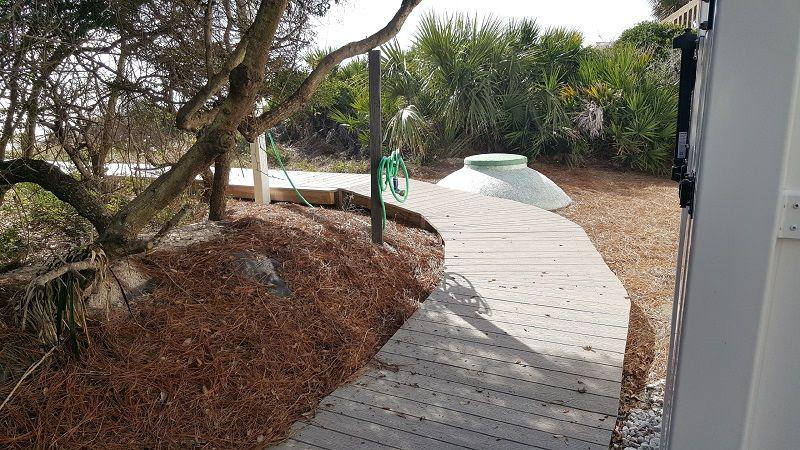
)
(63, 186)
(255, 126)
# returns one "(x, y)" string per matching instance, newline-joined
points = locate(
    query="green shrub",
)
(11, 244)
(639, 108)
(34, 221)
(653, 36)
(350, 166)
(474, 86)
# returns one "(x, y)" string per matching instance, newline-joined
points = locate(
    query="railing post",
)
(258, 155)
(375, 138)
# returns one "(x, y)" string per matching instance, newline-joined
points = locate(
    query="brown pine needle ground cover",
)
(212, 359)
(633, 220)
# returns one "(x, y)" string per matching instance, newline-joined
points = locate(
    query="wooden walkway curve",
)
(520, 346)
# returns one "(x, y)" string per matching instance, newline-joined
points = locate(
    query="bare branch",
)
(188, 118)
(300, 97)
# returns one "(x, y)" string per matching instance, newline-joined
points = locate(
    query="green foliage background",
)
(469, 86)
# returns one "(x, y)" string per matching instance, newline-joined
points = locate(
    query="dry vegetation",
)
(211, 358)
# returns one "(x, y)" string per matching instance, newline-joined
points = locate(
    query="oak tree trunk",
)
(219, 188)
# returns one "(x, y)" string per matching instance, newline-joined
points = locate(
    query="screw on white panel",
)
(796, 206)
(792, 227)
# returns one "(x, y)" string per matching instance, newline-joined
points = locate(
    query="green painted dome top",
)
(495, 159)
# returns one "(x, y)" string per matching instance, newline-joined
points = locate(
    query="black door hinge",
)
(686, 193)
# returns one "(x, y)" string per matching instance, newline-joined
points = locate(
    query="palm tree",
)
(663, 8)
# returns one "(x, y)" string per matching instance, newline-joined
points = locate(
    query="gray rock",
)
(261, 269)
(642, 427)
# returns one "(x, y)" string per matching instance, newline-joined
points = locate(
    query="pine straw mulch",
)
(633, 220)
(211, 358)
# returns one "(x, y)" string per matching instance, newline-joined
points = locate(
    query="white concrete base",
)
(516, 182)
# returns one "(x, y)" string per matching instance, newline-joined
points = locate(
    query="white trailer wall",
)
(738, 377)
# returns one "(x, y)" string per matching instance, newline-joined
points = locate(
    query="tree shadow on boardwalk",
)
(492, 364)
(460, 297)
(520, 346)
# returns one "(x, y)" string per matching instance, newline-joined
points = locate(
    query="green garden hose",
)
(388, 169)
(280, 162)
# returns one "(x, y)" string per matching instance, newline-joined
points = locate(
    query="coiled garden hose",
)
(388, 169)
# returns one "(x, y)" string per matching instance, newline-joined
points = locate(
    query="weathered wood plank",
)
(550, 417)
(510, 298)
(316, 437)
(435, 322)
(456, 425)
(487, 362)
(454, 370)
(371, 427)
(521, 346)
(571, 351)
(488, 308)
(512, 355)
(442, 312)
(473, 405)
(402, 430)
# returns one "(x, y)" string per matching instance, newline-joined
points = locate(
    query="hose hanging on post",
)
(388, 169)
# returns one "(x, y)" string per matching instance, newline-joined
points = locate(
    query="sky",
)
(598, 20)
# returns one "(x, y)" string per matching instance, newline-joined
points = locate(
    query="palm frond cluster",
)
(472, 86)
(663, 8)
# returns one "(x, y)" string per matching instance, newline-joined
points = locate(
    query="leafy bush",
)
(653, 36)
(469, 86)
(34, 221)
(639, 108)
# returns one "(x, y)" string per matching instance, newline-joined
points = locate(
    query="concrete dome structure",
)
(506, 176)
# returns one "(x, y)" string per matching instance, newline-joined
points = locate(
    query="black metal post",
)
(375, 138)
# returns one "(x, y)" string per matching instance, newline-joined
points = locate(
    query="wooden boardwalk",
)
(520, 346)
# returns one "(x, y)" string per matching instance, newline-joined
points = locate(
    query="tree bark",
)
(63, 186)
(100, 156)
(207, 178)
(219, 188)
(216, 127)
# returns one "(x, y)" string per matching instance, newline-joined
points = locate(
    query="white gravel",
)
(641, 429)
